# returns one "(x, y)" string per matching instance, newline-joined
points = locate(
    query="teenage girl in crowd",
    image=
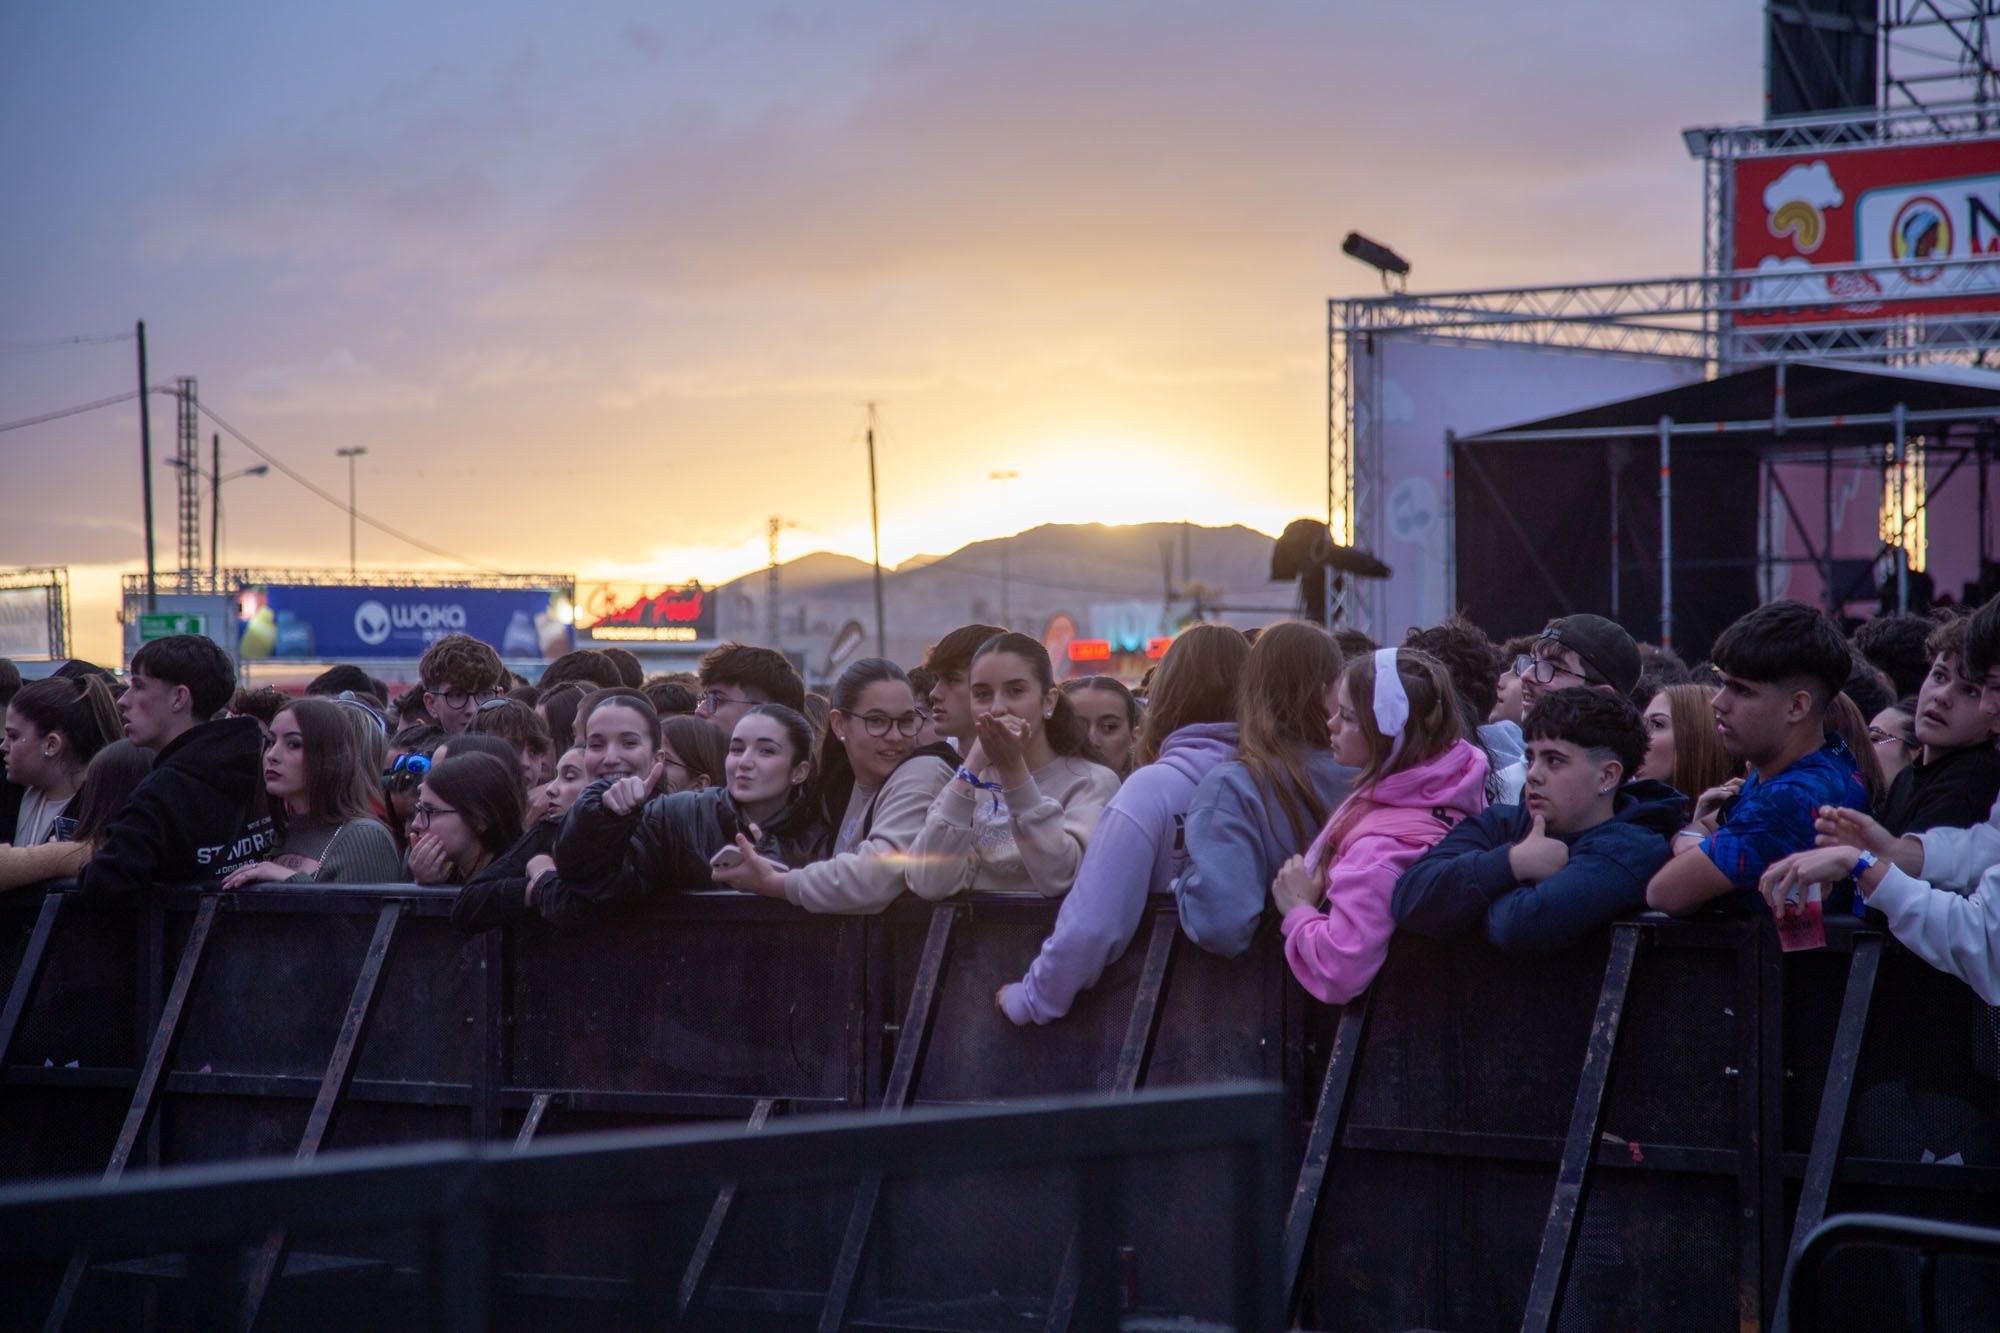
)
(694, 751)
(1683, 748)
(1137, 848)
(873, 790)
(315, 769)
(624, 842)
(1110, 717)
(1397, 720)
(468, 812)
(498, 895)
(1249, 816)
(113, 773)
(1892, 734)
(1019, 811)
(54, 728)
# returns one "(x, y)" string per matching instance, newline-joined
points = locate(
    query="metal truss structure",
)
(1712, 319)
(56, 580)
(1938, 50)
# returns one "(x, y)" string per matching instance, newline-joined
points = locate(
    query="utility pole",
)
(146, 472)
(1006, 614)
(214, 510)
(773, 526)
(350, 455)
(875, 526)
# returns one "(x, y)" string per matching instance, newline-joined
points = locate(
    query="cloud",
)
(337, 384)
(1807, 182)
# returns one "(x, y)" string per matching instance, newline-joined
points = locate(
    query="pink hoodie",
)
(1377, 834)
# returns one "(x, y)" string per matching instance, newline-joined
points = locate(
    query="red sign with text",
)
(1885, 205)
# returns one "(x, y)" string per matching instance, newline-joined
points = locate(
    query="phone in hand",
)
(728, 858)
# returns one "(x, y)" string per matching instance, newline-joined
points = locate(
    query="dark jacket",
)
(1955, 790)
(616, 861)
(497, 895)
(1466, 882)
(197, 816)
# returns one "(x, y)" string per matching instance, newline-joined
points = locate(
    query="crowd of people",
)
(1313, 783)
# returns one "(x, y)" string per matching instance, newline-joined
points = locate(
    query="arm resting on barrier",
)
(22, 866)
(1605, 879)
(871, 876)
(1448, 891)
(942, 860)
(1051, 836)
(1958, 936)
(1337, 951)
(1095, 926)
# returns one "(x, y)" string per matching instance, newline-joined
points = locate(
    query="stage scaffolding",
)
(1687, 319)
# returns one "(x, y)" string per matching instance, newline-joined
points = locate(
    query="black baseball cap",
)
(1603, 645)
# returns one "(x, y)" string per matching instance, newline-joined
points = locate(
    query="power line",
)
(60, 413)
(335, 500)
(74, 340)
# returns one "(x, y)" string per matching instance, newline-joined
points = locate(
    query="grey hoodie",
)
(1236, 840)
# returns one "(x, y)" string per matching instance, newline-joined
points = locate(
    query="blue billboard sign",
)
(348, 623)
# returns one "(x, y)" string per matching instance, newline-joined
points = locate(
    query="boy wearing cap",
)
(1580, 650)
(1776, 670)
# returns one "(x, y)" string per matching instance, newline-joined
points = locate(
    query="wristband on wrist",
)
(1863, 863)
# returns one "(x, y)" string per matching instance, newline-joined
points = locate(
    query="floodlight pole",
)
(875, 527)
(350, 455)
(146, 472)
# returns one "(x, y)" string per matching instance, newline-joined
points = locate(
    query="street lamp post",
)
(216, 481)
(1006, 617)
(350, 455)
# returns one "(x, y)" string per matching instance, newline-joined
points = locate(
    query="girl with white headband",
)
(1395, 719)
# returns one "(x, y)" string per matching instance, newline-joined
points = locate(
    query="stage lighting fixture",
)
(1697, 141)
(1375, 254)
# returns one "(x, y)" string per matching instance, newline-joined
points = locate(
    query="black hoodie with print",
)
(200, 814)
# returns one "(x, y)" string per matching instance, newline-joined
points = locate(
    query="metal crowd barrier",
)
(1639, 1132)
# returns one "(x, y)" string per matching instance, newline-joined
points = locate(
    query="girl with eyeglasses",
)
(875, 786)
(468, 812)
(627, 841)
(502, 891)
(318, 776)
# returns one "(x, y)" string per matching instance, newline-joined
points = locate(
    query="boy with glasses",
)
(1776, 670)
(459, 674)
(734, 676)
(1581, 650)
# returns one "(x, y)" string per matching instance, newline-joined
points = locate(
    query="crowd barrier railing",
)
(1644, 1127)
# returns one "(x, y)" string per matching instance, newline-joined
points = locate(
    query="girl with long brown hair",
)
(1684, 750)
(1251, 814)
(1137, 847)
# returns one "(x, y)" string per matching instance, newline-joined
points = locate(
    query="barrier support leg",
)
(902, 1079)
(531, 1123)
(165, 1037)
(1329, 1114)
(694, 1282)
(1142, 1027)
(333, 1085)
(1831, 1126)
(1580, 1147)
(28, 975)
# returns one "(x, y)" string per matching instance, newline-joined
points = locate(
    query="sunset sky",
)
(600, 287)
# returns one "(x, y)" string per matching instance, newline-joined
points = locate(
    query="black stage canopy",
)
(1566, 513)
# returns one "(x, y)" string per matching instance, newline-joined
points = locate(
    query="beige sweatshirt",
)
(868, 878)
(1028, 839)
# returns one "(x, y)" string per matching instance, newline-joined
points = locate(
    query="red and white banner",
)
(1889, 205)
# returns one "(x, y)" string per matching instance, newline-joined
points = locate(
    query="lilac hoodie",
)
(1135, 851)
(1377, 834)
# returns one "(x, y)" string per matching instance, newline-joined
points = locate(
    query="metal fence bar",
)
(531, 1123)
(902, 1080)
(1328, 1115)
(28, 975)
(332, 1087)
(1831, 1126)
(1928, 1238)
(158, 1055)
(1580, 1149)
(1142, 1027)
(694, 1282)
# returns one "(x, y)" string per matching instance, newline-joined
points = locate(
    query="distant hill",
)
(1113, 581)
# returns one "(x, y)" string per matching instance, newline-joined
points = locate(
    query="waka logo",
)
(371, 623)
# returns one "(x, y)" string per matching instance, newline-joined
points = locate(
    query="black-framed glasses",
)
(713, 700)
(906, 724)
(424, 814)
(460, 698)
(1546, 668)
